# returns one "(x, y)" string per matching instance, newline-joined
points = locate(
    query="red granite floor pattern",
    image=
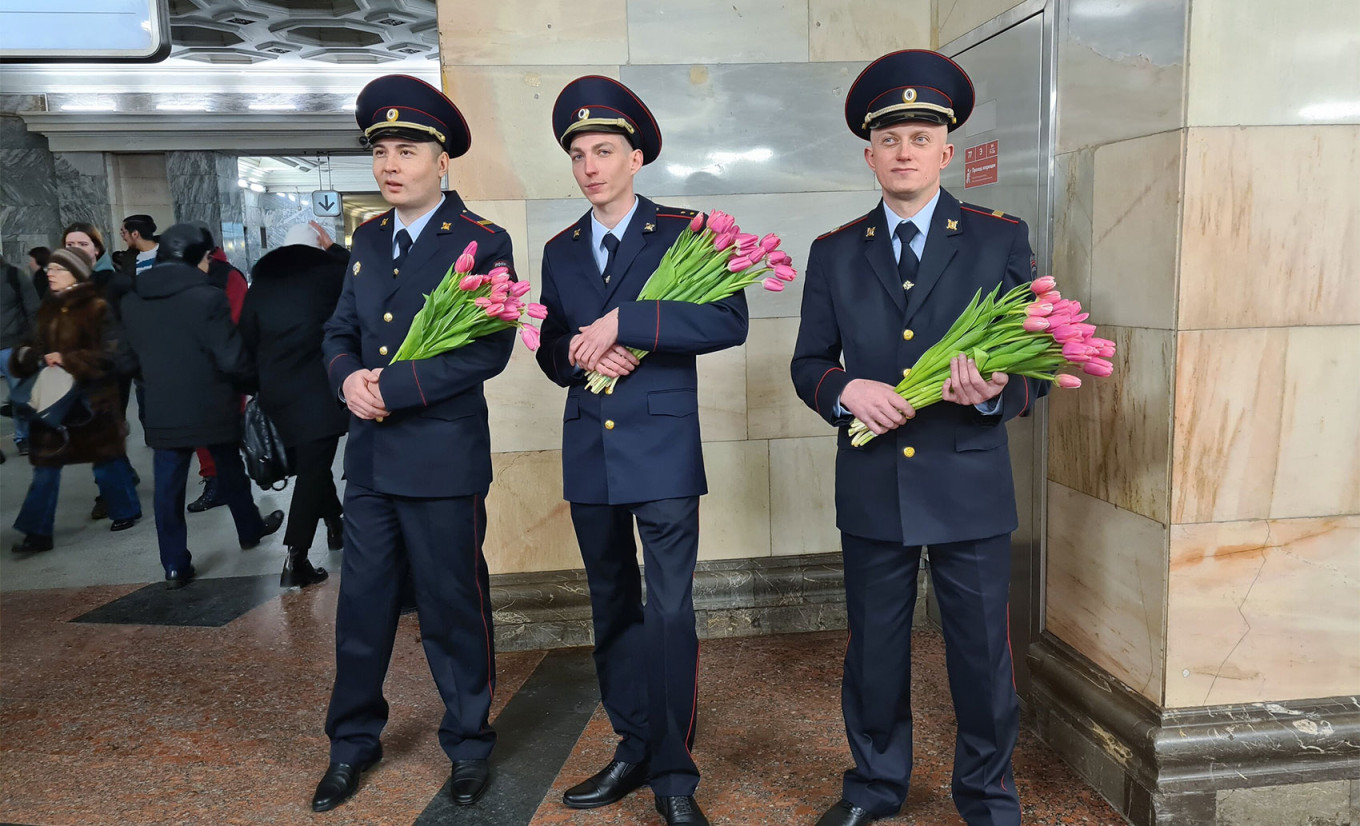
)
(108, 724)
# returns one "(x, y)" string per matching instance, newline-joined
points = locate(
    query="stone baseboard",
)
(1280, 764)
(732, 598)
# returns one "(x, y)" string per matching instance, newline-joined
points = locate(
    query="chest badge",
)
(356, 268)
(446, 226)
(951, 224)
(869, 232)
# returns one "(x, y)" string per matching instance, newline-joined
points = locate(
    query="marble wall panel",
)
(526, 408)
(14, 134)
(1263, 427)
(15, 247)
(955, 18)
(1135, 216)
(1107, 579)
(1271, 232)
(1074, 202)
(1263, 611)
(509, 110)
(739, 128)
(546, 218)
(864, 31)
(528, 522)
(803, 496)
(722, 395)
(1121, 70)
(1111, 439)
(756, 31)
(1254, 65)
(27, 178)
(734, 519)
(774, 410)
(529, 32)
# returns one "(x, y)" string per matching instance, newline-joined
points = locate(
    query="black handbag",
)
(266, 458)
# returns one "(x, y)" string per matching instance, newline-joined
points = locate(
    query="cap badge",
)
(393, 114)
(909, 95)
(583, 114)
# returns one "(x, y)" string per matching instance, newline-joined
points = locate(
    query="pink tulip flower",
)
(1051, 296)
(774, 285)
(470, 283)
(1085, 330)
(720, 222)
(747, 240)
(779, 257)
(770, 242)
(538, 311)
(495, 308)
(465, 263)
(1038, 308)
(529, 335)
(1066, 333)
(1043, 285)
(1035, 324)
(784, 272)
(520, 288)
(1098, 367)
(483, 302)
(510, 314)
(1057, 319)
(500, 293)
(1067, 381)
(738, 263)
(696, 224)
(1076, 352)
(1066, 305)
(724, 240)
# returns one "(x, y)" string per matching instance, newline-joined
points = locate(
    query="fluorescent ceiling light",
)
(273, 107)
(88, 107)
(182, 107)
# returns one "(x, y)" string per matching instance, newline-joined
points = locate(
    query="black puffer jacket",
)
(191, 357)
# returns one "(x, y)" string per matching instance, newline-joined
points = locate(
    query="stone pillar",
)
(28, 193)
(1201, 657)
(203, 186)
(84, 194)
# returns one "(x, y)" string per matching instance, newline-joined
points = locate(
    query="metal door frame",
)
(1048, 84)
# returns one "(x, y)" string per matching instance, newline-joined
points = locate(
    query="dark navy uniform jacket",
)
(640, 443)
(436, 442)
(944, 476)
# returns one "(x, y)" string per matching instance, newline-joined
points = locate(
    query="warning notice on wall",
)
(979, 165)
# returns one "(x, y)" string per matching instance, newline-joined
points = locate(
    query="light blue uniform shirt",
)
(598, 231)
(414, 228)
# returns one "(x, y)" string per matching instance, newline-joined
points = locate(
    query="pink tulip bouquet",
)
(465, 307)
(1031, 331)
(709, 262)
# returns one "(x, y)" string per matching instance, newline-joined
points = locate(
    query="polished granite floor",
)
(122, 703)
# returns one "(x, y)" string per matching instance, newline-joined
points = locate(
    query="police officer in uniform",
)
(418, 460)
(633, 454)
(879, 291)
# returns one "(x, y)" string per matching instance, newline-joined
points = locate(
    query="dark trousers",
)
(971, 582)
(314, 496)
(171, 468)
(646, 657)
(440, 542)
(113, 477)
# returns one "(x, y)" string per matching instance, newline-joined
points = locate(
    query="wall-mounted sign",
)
(980, 165)
(326, 203)
(84, 31)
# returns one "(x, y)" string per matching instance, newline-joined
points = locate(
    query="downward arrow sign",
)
(326, 204)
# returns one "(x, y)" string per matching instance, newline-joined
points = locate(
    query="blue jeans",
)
(171, 470)
(114, 478)
(20, 424)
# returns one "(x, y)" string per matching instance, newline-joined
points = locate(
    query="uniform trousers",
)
(646, 657)
(971, 581)
(439, 542)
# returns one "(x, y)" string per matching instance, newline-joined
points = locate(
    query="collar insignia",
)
(869, 232)
(576, 234)
(951, 224)
(446, 226)
(384, 223)
(649, 228)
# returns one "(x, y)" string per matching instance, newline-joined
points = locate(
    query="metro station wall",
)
(750, 103)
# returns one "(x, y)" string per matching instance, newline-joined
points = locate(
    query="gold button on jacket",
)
(908, 452)
(609, 424)
(387, 316)
(382, 351)
(908, 335)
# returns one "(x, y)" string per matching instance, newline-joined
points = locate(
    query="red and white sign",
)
(979, 165)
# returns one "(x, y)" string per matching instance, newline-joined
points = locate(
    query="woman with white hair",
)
(294, 289)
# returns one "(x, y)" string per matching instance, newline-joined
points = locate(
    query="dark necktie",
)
(403, 247)
(611, 243)
(907, 263)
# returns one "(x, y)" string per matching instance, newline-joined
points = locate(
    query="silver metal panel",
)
(751, 128)
(1009, 60)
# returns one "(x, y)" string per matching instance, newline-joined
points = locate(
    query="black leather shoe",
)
(123, 524)
(272, 523)
(335, 534)
(617, 781)
(339, 784)
(100, 509)
(846, 813)
(681, 811)
(176, 579)
(32, 544)
(469, 781)
(209, 499)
